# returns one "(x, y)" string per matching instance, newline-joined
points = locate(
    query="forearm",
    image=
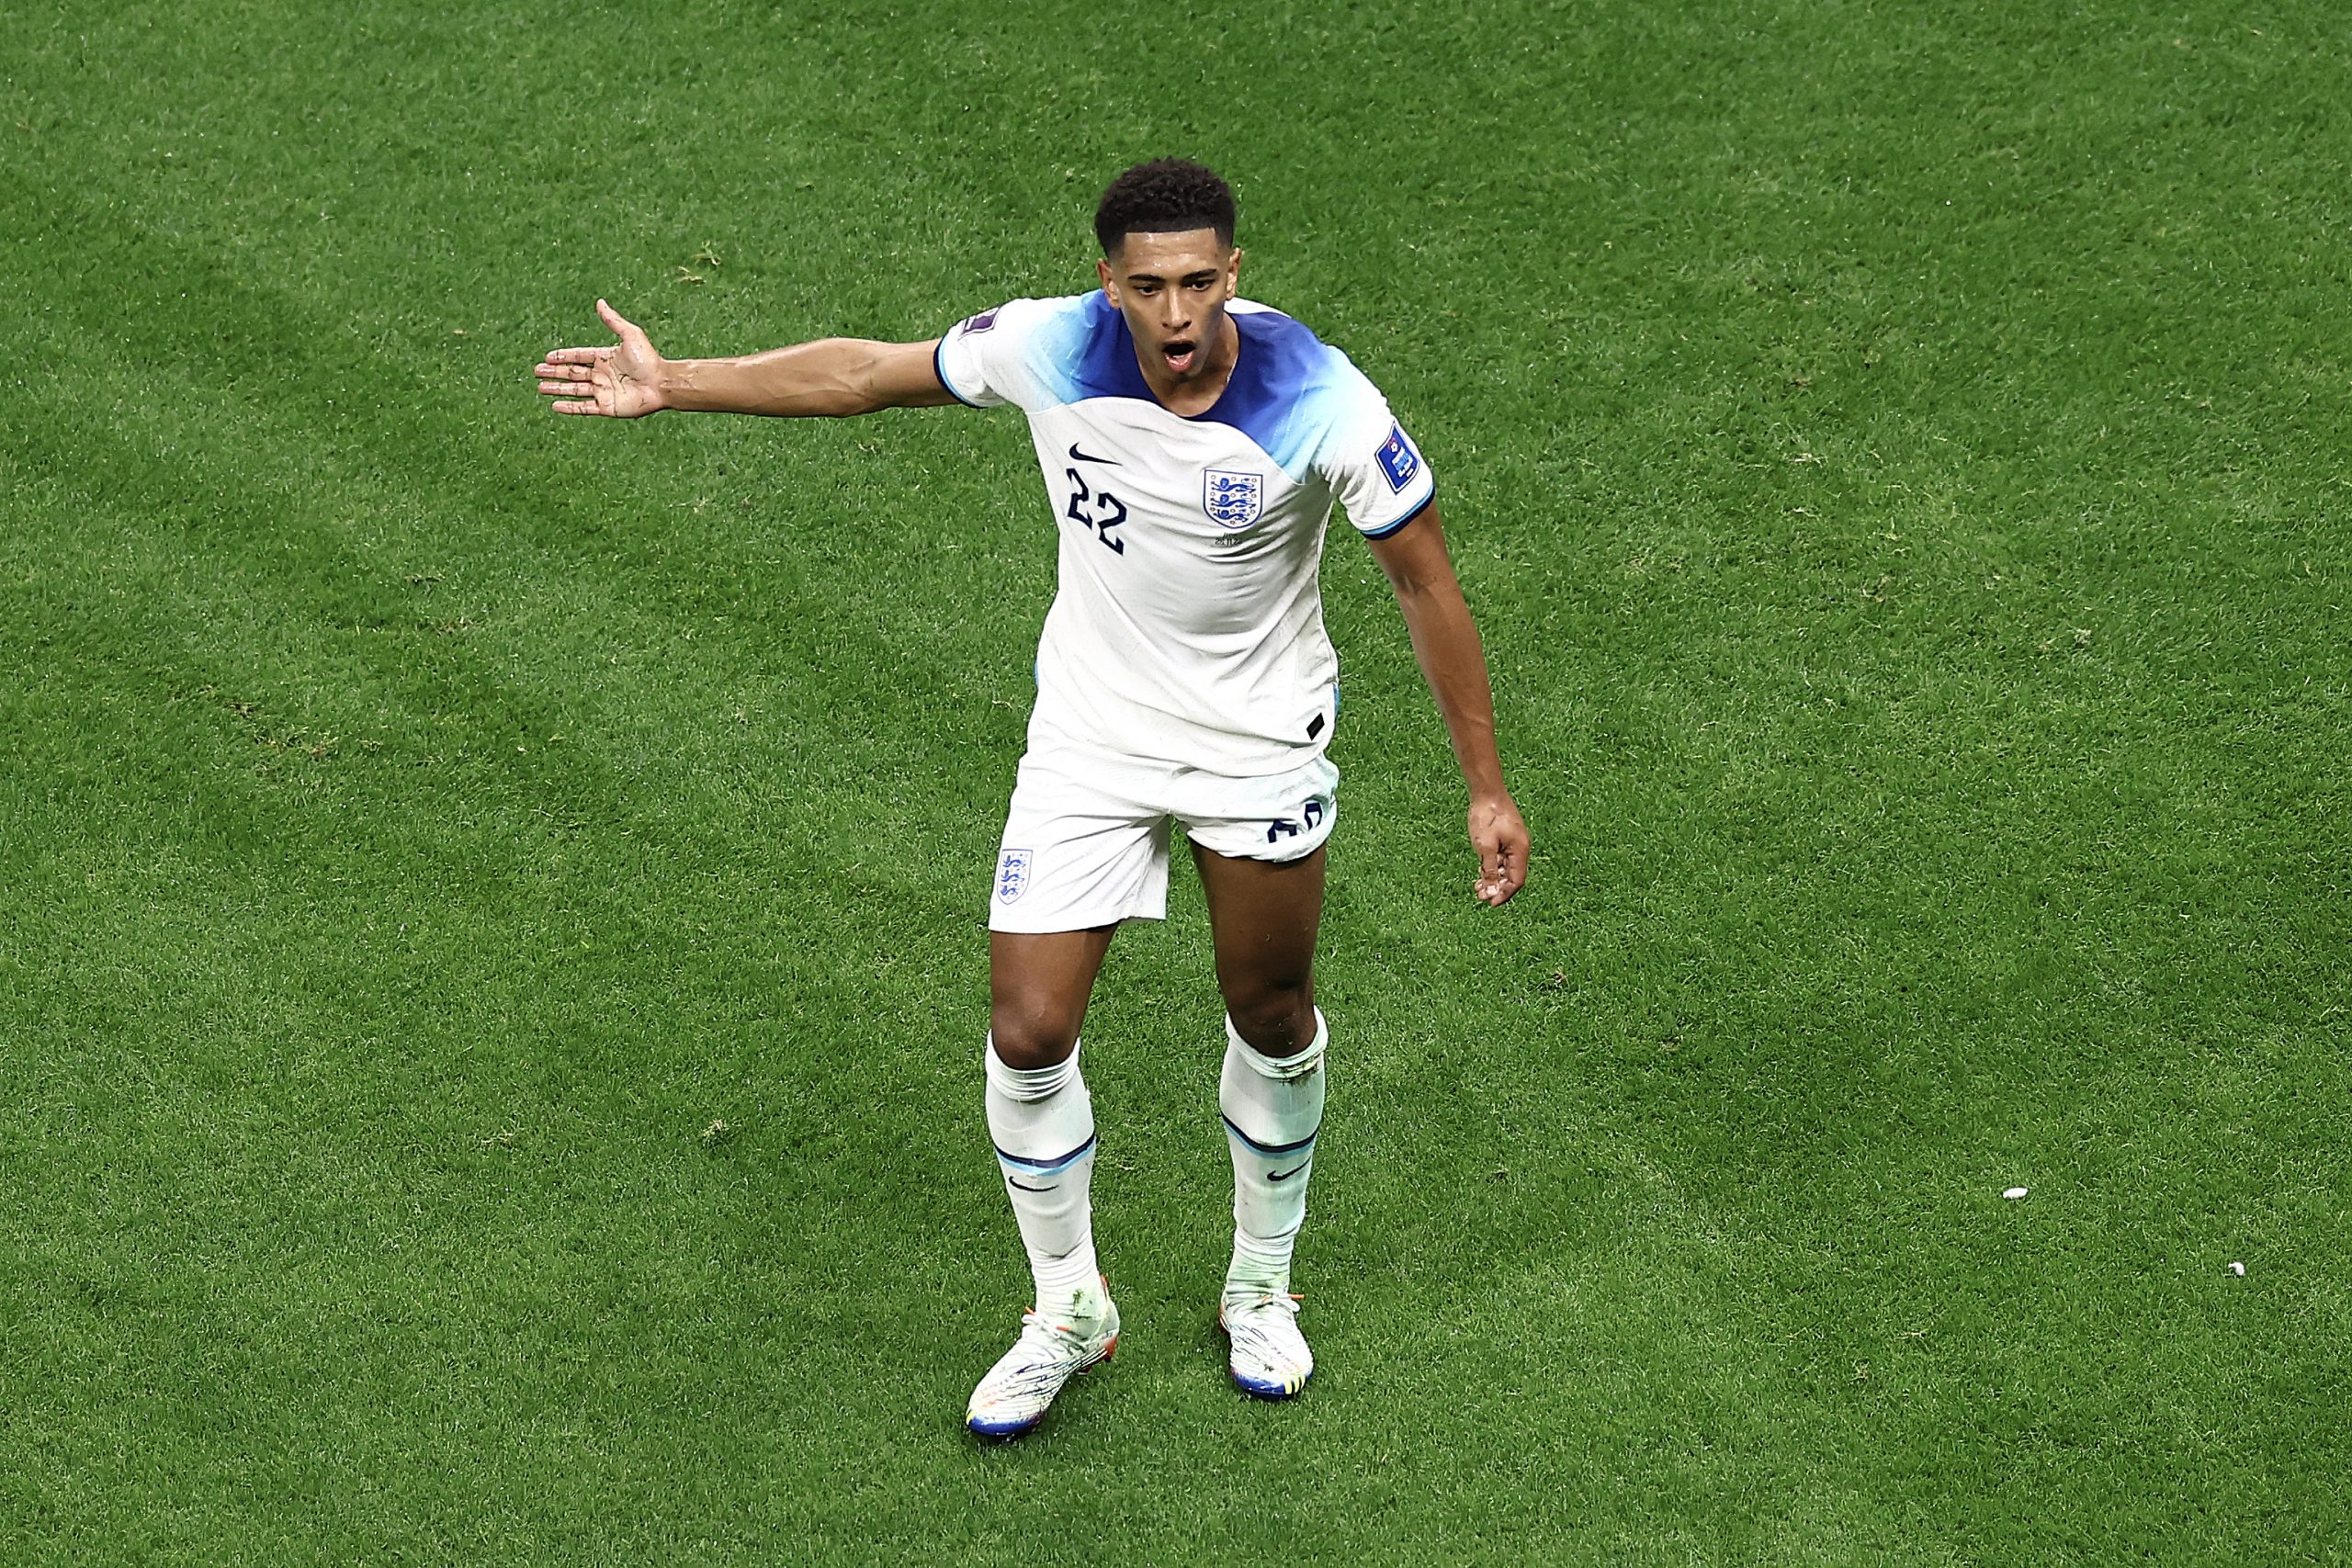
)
(831, 377)
(1453, 663)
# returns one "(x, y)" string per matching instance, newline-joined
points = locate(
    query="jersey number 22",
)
(1098, 510)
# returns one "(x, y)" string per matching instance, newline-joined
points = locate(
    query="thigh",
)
(1263, 917)
(1039, 984)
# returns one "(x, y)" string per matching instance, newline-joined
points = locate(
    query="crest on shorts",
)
(1231, 498)
(1011, 875)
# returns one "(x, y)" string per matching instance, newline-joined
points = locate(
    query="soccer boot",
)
(1268, 1358)
(1052, 1350)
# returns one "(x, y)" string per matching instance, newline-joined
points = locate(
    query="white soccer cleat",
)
(1269, 1358)
(1017, 1391)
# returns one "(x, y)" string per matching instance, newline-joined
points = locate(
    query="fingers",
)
(574, 388)
(582, 380)
(1500, 838)
(1505, 874)
(1498, 879)
(573, 373)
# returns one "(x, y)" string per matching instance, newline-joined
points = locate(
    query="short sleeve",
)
(989, 360)
(1376, 472)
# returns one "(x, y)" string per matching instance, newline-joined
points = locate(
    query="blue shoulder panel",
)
(1107, 368)
(1285, 391)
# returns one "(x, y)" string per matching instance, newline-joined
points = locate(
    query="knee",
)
(1277, 1020)
(1029, 1036)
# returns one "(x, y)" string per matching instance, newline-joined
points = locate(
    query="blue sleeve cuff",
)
(939, 368)
(1399, 526)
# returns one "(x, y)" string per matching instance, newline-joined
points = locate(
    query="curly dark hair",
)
(1165, 195)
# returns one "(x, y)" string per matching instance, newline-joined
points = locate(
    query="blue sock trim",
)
(1269, 1148)
(1047, 1166)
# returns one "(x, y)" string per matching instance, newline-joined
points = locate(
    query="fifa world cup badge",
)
(1398, 461)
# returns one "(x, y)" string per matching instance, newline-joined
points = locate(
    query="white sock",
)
(1273, 1107)
(1042, 1121)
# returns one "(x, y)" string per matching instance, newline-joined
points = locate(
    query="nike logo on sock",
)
(1090, 457)
(1286, 1175)
(1026, 1188)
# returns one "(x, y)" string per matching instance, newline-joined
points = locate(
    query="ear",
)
(1110, 284)
(1233, 274)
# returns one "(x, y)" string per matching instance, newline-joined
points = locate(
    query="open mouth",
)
(1180, 354)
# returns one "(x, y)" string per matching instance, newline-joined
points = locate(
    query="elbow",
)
(857, 390)
(836, 380)
(1418, 594)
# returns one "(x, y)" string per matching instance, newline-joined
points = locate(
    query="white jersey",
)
(1187, 628)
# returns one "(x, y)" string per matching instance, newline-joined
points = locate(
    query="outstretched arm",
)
(830, 378)
(1445, 641)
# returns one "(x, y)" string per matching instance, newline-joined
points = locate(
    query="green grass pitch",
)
(1898, 453)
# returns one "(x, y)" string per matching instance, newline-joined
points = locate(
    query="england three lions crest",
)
(1012, 869)
(1231, 498)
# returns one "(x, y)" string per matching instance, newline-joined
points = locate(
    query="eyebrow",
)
(1199, 275)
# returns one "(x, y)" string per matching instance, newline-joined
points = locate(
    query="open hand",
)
(621, 380)
(1499, 835)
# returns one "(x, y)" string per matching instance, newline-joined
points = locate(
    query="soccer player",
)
(1191, 444)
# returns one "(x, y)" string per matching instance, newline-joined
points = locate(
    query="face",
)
(1173, 288)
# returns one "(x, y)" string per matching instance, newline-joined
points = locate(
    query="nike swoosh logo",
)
(1090, 457)
(1026, 1188)
(1286, 1175)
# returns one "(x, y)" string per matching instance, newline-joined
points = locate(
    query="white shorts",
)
(1086, 838)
